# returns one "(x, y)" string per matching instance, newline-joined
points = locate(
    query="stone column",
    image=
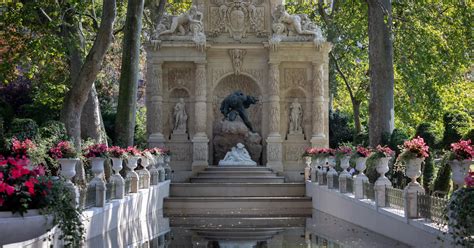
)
(274, 141)
(318, 137)
(200, 139)
(154, 104)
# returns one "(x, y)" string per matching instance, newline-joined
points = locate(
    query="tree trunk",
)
(92, 125)
(381, 107)
(356, 111)
(77, 96)
(127, 100)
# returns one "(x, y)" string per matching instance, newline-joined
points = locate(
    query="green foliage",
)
(54, 131)
(443, 178)
(456, 123)
(428, 173)
(397, 138)
(66, 215)
(461, 219)
(140, 129)
(371, 171)
(469, 135)
(426, 131)
(339, 129)
(23, 129)
(361, 139)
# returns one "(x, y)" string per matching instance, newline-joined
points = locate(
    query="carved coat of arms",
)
(238, 17)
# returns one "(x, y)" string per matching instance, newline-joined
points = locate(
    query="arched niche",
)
(174, 95)
(303, 99)
(248, 86)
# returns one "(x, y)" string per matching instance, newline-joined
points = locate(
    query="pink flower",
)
(416, 146)
(39, 170)
(116, 151)
(96, 150)
(362, 151)
(469, 179)
(385, 150)
(462, 150)
(132, 150)
(18, 171)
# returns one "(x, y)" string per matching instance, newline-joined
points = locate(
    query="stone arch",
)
(230, 83)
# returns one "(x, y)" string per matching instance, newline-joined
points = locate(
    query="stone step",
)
(236, 173)
(238, 206)
(237, 179)
(237, 168)
(237, 189)
(237, 222)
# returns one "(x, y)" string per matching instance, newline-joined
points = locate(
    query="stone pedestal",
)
(274, 153)
(200, 153)
(410, 194)
(343, 182)
(359, 185)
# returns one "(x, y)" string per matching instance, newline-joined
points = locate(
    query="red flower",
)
(30, 184)
(96, 150)
(1, 201)
(385, 150)
(4, 187)
(362, 151)
(462, 150)
(18, 171)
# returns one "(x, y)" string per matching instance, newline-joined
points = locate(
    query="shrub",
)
(23, 129)
(339, 129)
(53, 131)
(456, 123)
(428, 173)
(443, 177)
(426, 131)
(397, 138)
(361, 139)
(469, 135)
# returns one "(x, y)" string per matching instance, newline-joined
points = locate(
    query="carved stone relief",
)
(180, 78)
(200, 151)
(238, 17)
(293, 151)
(294, 77)
(274, 151)
(181, 151)
(237, 57)
(318, 75)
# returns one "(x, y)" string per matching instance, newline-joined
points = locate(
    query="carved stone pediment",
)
(237, 17)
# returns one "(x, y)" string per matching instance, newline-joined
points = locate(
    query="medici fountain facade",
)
(196, 59)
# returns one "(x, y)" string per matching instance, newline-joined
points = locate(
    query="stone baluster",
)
(97, 165)
(154, 104)
(155, 178)
(382, 183)
(274, 141)
(344, 174)
(132, 175)
(200, 139)
(361, 178)
(68, 171)
(318, 138)
(331, 172)
(117, 179)
(146, 173)
(411, 191)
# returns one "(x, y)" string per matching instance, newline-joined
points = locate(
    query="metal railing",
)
(432, 208)
(394, 198)
(369, 192)
(110, 191)
(350, 185)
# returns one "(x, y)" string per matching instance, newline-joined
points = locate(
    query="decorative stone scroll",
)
(238, 17)
(296, 27)
(186, 26)
(237, 57)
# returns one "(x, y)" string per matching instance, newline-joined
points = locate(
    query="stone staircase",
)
(237, 192)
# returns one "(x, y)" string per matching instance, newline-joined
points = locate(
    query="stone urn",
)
(360, 165)
(413, 168)
(331, 164)
(132, 162)
(117, 165)
(345, 165)
(382, 167)
(97, 167)
(459, 169)
(68, 168)
(17, 228)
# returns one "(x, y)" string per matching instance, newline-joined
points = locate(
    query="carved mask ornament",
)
(237, 57)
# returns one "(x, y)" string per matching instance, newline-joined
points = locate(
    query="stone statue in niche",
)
(237, 57)
(296, 117)
(296, 27)
(180, 117)
(238, 155)
(186, 24)
(235, 104)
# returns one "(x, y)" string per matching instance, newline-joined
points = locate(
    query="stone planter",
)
(16, 228)
(68, 168)
(132, 175)
(382, 168)
(117, 178)
(360, 164)
(97, 167)
(345, 165)
(361, 178)
(98, 182)
(413, 168)
(117, 165)
(459, 170)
